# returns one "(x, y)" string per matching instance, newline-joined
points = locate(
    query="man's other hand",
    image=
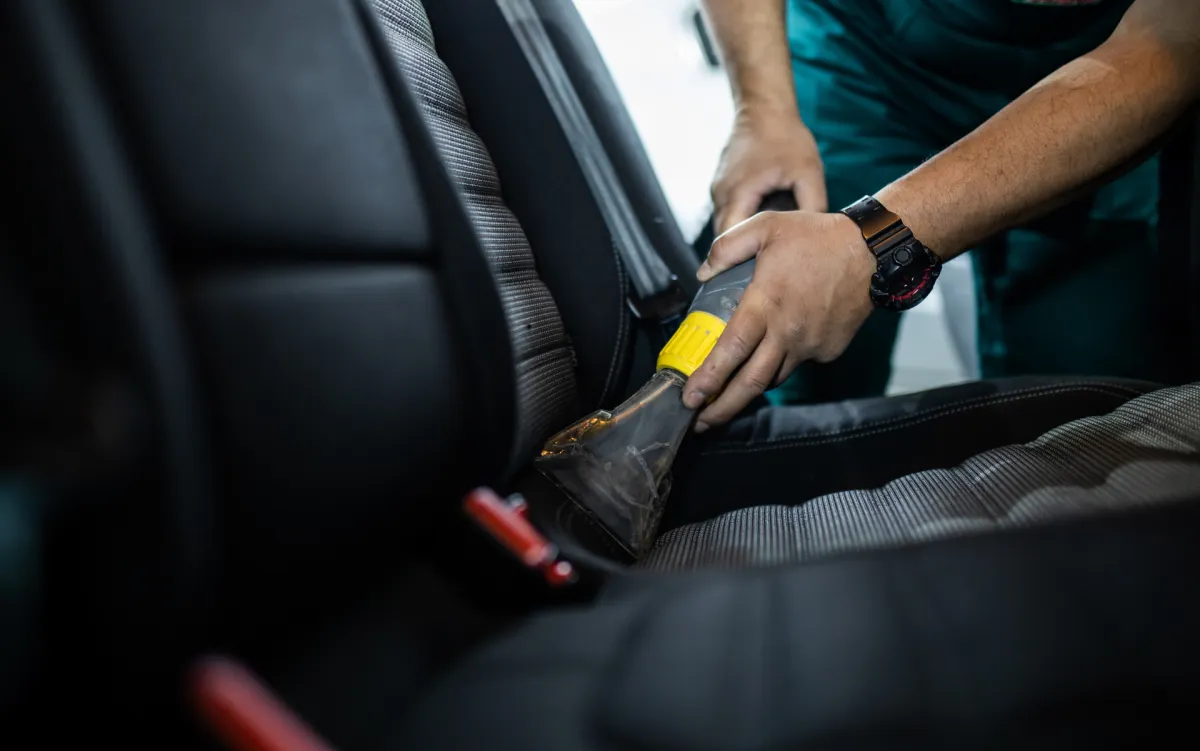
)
(808, 298)
(766, 152)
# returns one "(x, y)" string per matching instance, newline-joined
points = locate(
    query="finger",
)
(740, 207)
(746, 329)
(790, 363)
(741, 243)
(811, 194)
(755, 377)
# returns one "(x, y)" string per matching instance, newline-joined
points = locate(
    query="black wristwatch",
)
(905, 269)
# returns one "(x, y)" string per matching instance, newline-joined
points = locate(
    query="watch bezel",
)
(881, 292)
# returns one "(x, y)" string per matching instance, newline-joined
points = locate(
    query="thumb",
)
(741, 243)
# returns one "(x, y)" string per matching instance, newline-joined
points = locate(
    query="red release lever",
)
(244, 713)
(506, 521)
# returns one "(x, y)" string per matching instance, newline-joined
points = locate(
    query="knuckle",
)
(738, 346)
(740, 195)
(757, 382)
(704, 379)
(765, 220)
(771, 226)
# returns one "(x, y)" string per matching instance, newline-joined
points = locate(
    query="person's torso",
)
(1075, 24)
(937, 69)
(1003, 46)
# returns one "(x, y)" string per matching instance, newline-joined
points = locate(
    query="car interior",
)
(283, 282)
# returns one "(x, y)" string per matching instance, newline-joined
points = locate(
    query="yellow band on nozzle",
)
(691, 343)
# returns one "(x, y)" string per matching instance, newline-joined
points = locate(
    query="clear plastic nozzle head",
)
(618, 464)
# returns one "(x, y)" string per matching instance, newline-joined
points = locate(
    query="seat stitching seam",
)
(1031, 391)
(622, 326)
(890, 425)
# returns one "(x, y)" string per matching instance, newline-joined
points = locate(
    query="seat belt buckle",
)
(666, 307)
(507, 522)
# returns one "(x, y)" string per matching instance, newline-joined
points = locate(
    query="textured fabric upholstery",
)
(1145, 452)
(546, 397)
(787, 455)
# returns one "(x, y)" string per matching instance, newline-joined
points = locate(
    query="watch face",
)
(905, 276)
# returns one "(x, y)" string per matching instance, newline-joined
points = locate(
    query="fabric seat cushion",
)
(1146, 451)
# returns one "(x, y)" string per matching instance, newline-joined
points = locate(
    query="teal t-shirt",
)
(935, 70)
(1004, 46)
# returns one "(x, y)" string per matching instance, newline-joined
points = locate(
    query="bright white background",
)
(682, 110)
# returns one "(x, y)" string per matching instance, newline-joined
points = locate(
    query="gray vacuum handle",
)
(721, 294)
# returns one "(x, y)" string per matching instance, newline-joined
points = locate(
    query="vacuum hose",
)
(617, 465)
(706, 319)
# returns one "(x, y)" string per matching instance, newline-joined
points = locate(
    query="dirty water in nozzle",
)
(618, 464)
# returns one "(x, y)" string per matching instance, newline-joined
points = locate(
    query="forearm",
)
(1065, 135)
(753, 41)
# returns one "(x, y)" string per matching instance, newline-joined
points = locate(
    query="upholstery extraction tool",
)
(617, 464)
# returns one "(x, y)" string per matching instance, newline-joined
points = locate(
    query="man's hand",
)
(767, 151)
(808, 298)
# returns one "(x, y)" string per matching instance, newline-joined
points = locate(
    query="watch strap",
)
(880, 228)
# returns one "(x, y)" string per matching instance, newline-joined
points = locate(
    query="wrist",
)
(860, 261)
(903, 200)
(904, 268)
(763, 108)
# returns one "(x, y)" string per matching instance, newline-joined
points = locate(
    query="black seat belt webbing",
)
(659, 296)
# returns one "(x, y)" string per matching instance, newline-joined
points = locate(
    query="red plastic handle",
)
(509, 526)
(244, 713)
(508, 522)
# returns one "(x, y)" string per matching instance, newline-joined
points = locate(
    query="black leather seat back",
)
(111, 433)
(320, 345)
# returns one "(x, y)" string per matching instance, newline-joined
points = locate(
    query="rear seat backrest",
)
(546, 394)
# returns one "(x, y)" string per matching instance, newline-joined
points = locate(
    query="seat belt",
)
(657, 294)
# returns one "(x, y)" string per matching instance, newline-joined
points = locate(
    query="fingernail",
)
(693, 399)
(701, 427)
(703, 272)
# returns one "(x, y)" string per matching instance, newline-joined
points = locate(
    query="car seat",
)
(359, 271)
